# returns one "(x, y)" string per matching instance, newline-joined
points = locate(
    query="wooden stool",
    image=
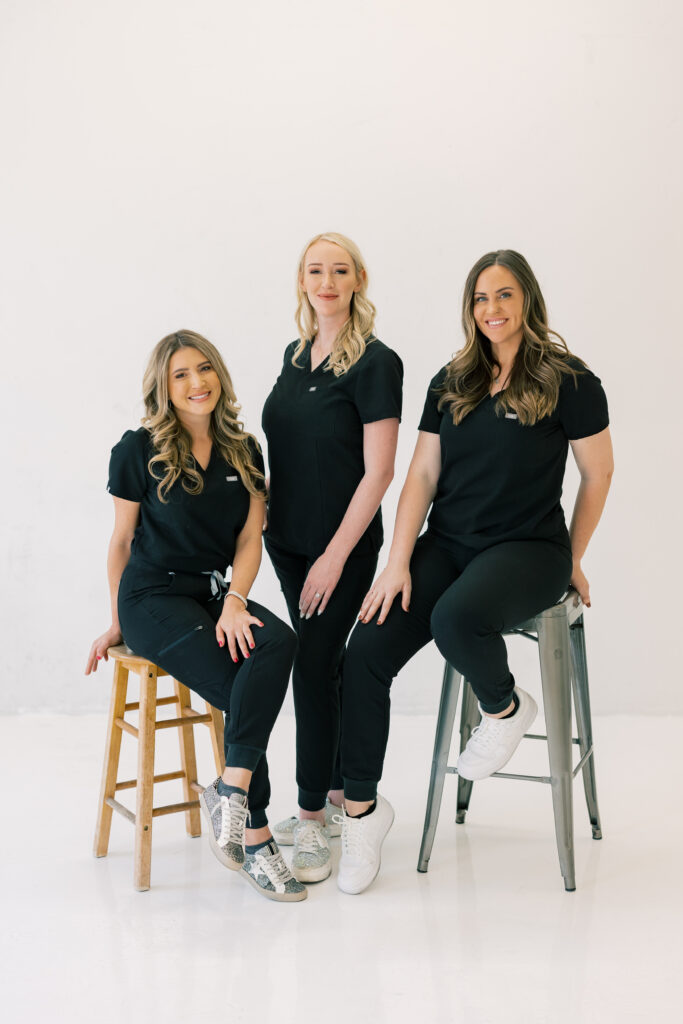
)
(124, 662)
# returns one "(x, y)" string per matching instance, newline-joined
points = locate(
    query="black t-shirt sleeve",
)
(431, 416)
(582, 407)
(378, 391)
(128, 476)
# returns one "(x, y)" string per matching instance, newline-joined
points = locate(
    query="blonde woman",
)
(489, 462)
(331, 422)
(189, 500)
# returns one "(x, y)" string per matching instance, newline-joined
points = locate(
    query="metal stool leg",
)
(470, 716)
(442, 746)
(554, 653)
(583, 722)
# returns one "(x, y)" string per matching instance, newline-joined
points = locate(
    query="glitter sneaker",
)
(311, 860)
(494, 740)
(283, 832)
(227, 819)
(361, 842)
(267, 872)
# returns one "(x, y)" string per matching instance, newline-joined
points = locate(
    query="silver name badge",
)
(231, 479)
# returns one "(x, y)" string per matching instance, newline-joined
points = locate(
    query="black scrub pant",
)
(464, 601)
(316, 676)
(170, 618)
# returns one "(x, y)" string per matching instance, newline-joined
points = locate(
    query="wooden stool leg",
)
(112, 750)
(145, 786)
(216, 728)
(188, 760)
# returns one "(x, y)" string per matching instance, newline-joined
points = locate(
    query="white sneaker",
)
(494, 740)
(311, 860)
(283, 832)
(361, 842)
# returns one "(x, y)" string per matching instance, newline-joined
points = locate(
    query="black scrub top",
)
(500, 480)
(314, 425)
(190, 532)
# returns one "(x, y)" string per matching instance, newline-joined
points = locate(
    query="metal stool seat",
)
(559, 632)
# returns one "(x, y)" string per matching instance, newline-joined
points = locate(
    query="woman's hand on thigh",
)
(234, 626)
(392, 581)
(323, 577)
(100, 646)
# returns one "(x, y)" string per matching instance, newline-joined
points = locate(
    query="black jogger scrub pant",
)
(463, 601)
(170, 618)
(316, 675)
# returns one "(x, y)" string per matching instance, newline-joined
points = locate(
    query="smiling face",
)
(193, 384)
(329, 279)
(498, 306)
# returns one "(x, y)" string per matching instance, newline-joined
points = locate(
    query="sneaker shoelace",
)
(308, 839)
(488, 732)
(354, 840)
(233, 823)
(273, 867)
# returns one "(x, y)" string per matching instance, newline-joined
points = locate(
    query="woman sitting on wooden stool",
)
(189, 500)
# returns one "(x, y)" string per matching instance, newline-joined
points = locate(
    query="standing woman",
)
(189, 500)
(489, 460)
(331, 422)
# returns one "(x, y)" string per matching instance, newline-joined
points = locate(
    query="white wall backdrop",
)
(164, 161)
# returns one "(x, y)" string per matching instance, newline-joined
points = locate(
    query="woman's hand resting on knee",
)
(99, 648)
(392, 581)
(234, 626)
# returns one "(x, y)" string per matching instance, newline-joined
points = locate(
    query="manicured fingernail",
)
(220, 643)
(99, 657)
(235, 660)
(246, 655)
(319, 611)
(301, 615)
(251, 647)
(308, 616)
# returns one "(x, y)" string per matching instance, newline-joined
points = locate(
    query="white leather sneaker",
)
(494, 740)
(361, 847)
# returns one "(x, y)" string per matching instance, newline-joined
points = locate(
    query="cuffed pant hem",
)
(257, 819)
(360, 789)
(310, 801)
(238, 756)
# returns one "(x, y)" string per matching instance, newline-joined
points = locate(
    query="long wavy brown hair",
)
(542, 360)
(173, 457)
(350, 343)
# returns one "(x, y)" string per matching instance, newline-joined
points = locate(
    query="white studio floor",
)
(488, 935)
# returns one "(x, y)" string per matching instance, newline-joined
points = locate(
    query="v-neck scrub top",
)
(189, 532)
(314, 425)
(501, 481)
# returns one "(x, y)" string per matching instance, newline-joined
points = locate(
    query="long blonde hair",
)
(533, 386)
(350, 343)
(173, 444)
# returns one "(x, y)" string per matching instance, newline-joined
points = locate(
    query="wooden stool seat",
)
(126, 661)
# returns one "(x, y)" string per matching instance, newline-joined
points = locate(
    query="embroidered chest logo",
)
(313, 388)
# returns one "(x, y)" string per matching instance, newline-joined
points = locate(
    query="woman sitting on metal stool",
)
(189, 500)
(489, 461)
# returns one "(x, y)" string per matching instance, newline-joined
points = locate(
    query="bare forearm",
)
(416, 497)
(360, 513)
(246, 564)
(588, 507)
(118, 557)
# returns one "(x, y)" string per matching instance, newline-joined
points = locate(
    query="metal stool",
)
(559, 632)
(124, 662)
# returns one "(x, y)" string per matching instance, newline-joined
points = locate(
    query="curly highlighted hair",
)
(350, 343)
(173, 457)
